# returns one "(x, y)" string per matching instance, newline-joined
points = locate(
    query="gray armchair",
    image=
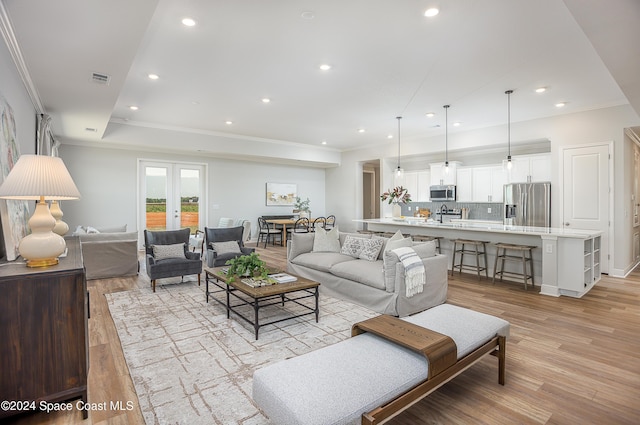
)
(215, 235)
(167, 265)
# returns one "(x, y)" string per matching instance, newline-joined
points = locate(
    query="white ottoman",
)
(339, 383)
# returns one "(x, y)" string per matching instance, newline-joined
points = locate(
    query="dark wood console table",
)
(44, 353)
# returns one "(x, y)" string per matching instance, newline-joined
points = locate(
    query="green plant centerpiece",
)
(247, 265)
(302, 206)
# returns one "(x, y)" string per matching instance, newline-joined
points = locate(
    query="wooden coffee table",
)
(263, 296)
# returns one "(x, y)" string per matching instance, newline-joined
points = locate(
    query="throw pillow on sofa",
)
(162, 252)
(397, 241)
(371, 249)
(353, 246)
(326, 241)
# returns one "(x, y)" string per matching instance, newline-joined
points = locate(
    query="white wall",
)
(106, 179)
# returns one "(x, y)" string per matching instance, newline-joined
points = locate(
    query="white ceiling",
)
(387, 60)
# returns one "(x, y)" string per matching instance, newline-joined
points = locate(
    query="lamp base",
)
(42, 262)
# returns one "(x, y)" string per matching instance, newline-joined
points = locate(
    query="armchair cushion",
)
(228, 247)
(161, 252)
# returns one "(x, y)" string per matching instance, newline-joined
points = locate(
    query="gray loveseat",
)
(379, 284)
(108, 252)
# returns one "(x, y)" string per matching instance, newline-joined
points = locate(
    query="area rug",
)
(191, 365)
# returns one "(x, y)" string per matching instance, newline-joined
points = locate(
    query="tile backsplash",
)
(477, 210)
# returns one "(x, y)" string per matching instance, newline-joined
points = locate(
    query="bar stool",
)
(479, 250)
(425, 238)
(523, 250)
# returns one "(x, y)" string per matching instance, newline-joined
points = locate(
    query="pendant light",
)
(509, 163)
(446, 139)
(399, 171)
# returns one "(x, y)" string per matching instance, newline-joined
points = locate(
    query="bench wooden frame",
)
(438, 350)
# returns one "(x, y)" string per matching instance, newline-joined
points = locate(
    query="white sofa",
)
(379, 284)
(231, 222)
(108, 252)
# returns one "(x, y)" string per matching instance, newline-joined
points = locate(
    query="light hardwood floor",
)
(569, 361)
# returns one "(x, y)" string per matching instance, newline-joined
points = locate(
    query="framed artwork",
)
(13, 214)
(281, 194)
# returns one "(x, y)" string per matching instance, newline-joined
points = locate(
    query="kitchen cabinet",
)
(440, 177)
(43, 322)
(464, 184)
(417, 182)
(580, 260)
(487, 184)
(529, 168)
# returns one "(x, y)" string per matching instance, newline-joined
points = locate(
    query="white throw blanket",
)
(413, 270)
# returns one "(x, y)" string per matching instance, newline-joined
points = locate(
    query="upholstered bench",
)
(371, 376)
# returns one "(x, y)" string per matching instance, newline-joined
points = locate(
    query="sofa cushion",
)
(95, 237)
(343, 236)
(362, 271)
(300, 243)
(326, 241)
(322, 261)
(397, 241)
(114, 229)
(425, 249)
(227, 247)
(352, 246)
(371, 250)
(162, 252)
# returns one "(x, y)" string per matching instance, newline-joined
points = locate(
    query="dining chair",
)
(300, 226)
(318, 222)
(331, 222)
(266, 232)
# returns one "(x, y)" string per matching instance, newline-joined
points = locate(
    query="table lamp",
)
(42, 178)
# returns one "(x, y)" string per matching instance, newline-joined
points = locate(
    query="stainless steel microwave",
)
(442, 193)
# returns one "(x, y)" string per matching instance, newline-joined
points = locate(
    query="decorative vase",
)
(396, 210)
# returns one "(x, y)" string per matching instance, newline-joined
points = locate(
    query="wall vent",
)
(100, 78)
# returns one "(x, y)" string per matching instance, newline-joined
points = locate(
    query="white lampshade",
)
(40, 177)
(34, 176)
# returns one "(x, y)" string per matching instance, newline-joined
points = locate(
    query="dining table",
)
(284, 222)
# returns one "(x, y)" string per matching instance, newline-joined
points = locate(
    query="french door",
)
(172, 195)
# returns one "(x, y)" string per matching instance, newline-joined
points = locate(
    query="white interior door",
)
(172, 196)
(586, 195)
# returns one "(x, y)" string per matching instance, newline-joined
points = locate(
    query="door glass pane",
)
(156, 202)
(189, 199)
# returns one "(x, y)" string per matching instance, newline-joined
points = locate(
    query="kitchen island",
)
(565, 261)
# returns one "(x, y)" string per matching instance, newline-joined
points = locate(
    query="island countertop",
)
(485, 226)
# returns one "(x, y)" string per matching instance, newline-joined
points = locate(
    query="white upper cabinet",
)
(464, 184)
(438, 175)
(417, 183)
(487, 184)
(530, 168)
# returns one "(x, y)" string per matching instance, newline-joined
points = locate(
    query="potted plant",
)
(247, 265)
(302, 206)
(396, 196)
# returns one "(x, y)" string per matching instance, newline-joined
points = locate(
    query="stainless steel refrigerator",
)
(527, 204)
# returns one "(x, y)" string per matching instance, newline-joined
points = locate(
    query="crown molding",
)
(12, 44)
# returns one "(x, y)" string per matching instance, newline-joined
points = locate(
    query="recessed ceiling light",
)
(266, 100)
(560, 104)
(307, 15)
(188, 22)
(228, 122)
(430, 114)
(457, 124)
(541, 89)
(133, 107)
(153, 76)
(325, 67)
(389, 136)
(431, 12)
(324, 142)
(361, 130)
